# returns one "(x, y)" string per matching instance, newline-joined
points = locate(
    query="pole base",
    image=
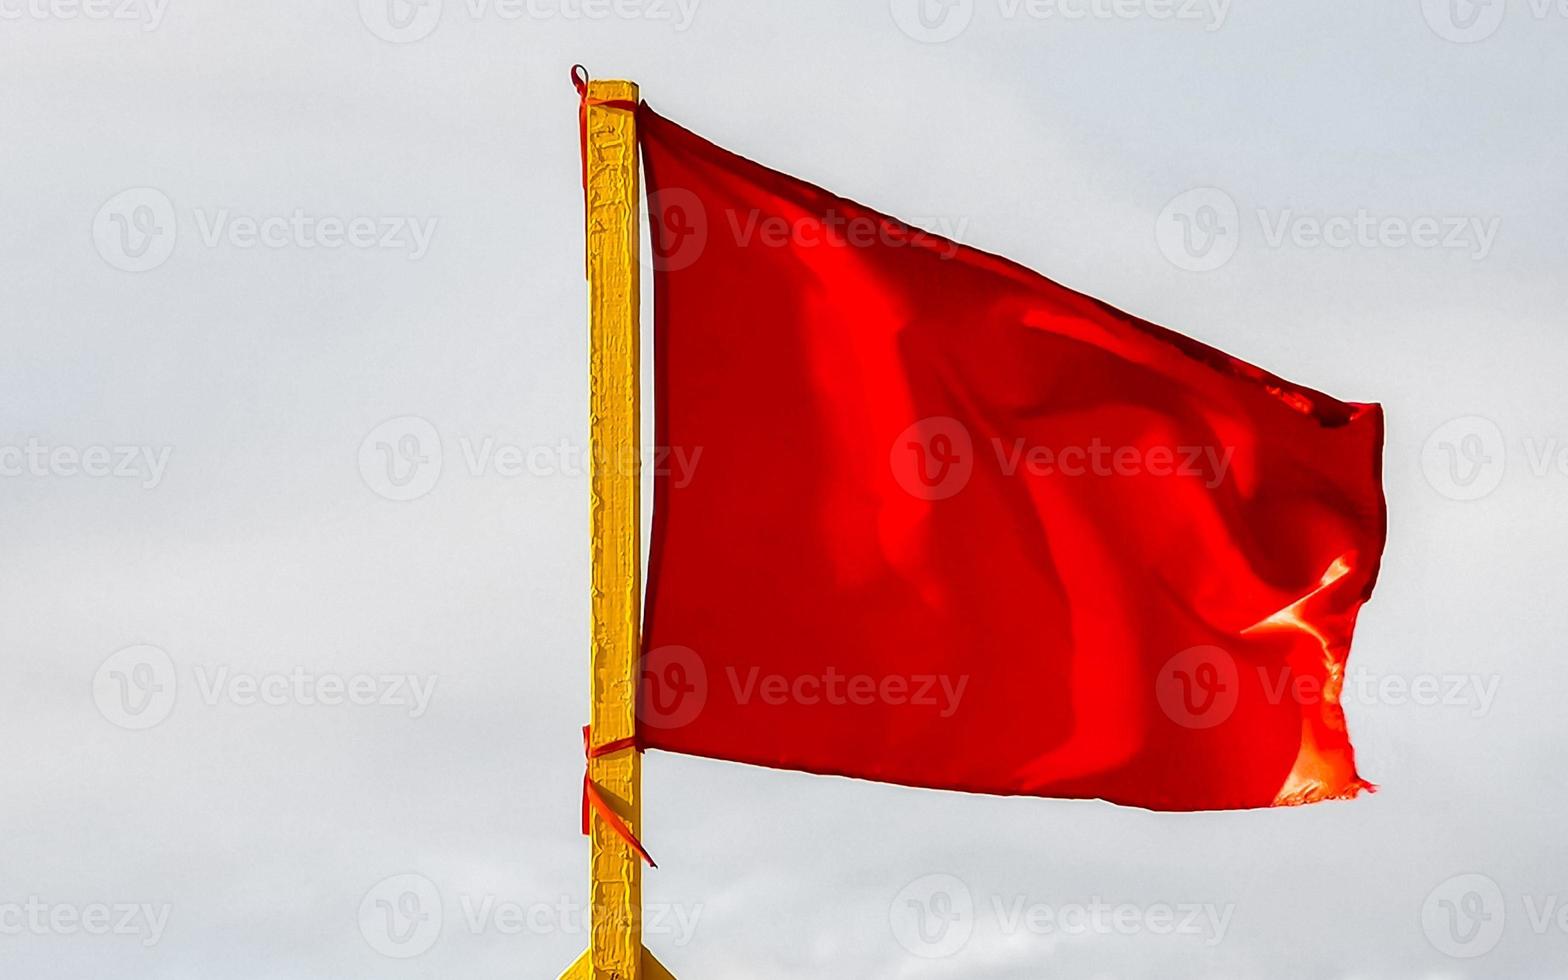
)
(651, 969)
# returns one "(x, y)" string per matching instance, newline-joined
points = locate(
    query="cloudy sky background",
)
(258, 834)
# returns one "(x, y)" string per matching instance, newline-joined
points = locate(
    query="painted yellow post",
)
(615, 950)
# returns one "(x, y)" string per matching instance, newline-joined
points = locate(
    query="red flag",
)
(926, 517)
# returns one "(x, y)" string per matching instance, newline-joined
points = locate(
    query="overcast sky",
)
(273, 710)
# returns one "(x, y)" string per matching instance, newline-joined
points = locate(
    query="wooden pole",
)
(615, 950)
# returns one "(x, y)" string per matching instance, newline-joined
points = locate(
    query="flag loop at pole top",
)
(580, 83)
(593, 800)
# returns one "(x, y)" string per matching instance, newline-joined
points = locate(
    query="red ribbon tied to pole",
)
(593, 800)
(580, 82)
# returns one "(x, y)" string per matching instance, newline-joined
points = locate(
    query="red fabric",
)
(864, 563)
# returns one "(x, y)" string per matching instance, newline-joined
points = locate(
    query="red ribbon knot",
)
(593, 800)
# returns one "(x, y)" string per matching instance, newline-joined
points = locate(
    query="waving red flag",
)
(926, 517)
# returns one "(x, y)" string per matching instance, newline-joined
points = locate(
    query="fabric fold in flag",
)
(926, 517)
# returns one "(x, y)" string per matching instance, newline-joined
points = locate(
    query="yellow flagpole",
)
(615, 949)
